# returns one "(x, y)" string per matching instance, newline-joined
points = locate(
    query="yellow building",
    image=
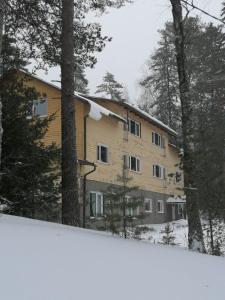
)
(112, 136)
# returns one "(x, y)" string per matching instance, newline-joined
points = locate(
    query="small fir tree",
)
(122, 209)
(168, 237)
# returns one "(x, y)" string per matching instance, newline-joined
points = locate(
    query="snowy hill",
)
(45, 261)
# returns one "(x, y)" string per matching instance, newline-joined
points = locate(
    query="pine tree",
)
(195, 235)
(160, 86)
(30, 177)
(110, 87)
(81, 82)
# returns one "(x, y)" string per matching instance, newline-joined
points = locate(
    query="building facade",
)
(112, 137)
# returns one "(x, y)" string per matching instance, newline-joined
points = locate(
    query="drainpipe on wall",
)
(85, 175)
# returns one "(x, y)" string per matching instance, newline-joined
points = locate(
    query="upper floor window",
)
(134, 127)
(132, 163)
(158, 140)
(102, 153)
(96, 204)
(148, 205)
(38, 108)
(159, 171)
(160, 206)
(178, 177)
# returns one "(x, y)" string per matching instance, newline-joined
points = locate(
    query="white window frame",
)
(138, 163)
(162, 207)
(130, 210)
(180, 209)
(161, 140)
(95, 214)
(33, 113)
(99, 146)
(162, 171)
(137, 132)
(150, 205)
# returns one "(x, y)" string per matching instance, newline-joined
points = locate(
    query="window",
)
(134, 163)
(132, 208)
(160, 206)
(148, 205)
(178, 177)
(180, 209)
(102, 153)
(96, 204)
(159, 171)
(158, 140)
(38, 108)
(134, 127)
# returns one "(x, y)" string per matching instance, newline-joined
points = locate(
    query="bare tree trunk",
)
(70, 200)
(195, 235)
(1, 68)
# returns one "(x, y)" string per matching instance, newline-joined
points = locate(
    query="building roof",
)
(135, 109)
(96, 110)
(87, 98)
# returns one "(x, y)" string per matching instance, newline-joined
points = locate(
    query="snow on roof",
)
(153, 119)
(176, 199)
(42, 260)
(139, 111)
(38, 78)
(96, 110)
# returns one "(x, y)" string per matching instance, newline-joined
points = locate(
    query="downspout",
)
(85, 175)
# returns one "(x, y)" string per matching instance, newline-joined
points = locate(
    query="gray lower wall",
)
(149, 218)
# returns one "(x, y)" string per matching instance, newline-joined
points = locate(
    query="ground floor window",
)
(96, 204)
(160, 206)
(132, 209)
(180, 209)
(148, 205)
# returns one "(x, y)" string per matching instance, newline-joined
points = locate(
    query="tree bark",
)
(195, 235)
(70, 199)
(1, 68)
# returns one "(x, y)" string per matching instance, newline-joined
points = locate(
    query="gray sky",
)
(134, 29)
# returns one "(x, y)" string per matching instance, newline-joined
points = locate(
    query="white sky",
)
(134, 29)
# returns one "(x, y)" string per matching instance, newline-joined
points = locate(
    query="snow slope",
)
(45, 261)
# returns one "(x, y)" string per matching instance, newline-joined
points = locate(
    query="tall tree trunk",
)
(1, 68)
(70, 199)
(195, 235)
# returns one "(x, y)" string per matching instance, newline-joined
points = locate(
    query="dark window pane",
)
(92, 204)
(133, 163)
(132, 127)
(147, 205)
(104, 157)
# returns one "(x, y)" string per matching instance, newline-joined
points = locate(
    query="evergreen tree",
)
(160, 85)
(110, 87)
(168, 237)
(30, 179)
(195, 234)
(81, 82)
(121, 208)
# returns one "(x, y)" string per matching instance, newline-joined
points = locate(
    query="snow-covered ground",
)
(45, 261)
(180, 231)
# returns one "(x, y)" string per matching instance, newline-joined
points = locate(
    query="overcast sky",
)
(134, 29)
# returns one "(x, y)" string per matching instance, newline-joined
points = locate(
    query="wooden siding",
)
(109, 131)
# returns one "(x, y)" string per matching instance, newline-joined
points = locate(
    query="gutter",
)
(85, 162)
